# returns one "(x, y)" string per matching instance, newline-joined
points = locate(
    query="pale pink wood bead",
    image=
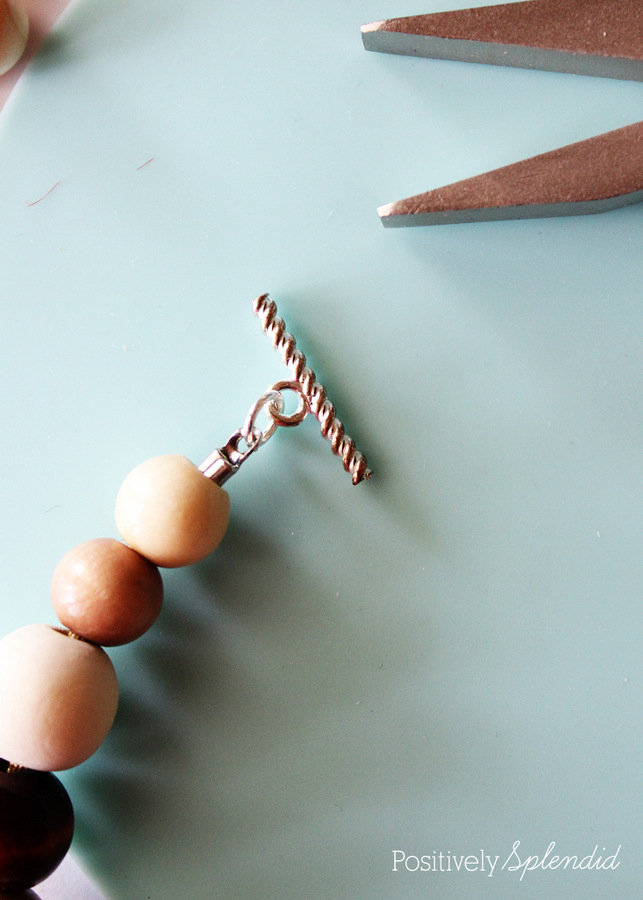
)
(14, 31)
(106, 592)
(170, 512)
(58, 699)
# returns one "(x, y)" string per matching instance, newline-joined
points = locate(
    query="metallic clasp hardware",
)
(225, 461)
(222, 463)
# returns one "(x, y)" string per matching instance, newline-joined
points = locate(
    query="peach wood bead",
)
(58, 699)
(170, 512)
(106, 592)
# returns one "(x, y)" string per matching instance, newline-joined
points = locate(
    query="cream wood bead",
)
(14, 31)
(58, 698)
(170, 512)
(106, 592)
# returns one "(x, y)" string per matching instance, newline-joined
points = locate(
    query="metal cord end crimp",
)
(332, 429)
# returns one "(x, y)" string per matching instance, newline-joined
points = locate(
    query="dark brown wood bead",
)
(36, 826)
(19, 895)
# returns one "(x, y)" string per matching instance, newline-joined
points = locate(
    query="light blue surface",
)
(446, 659)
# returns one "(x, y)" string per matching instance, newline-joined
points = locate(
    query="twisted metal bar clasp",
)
(274, 327)
(225, 461)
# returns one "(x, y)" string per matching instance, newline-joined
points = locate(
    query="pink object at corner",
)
(42, 15)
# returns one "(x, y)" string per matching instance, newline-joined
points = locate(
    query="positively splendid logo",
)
(517, 862)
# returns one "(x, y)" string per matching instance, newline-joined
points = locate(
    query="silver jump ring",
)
(276, 410)
(252, 434)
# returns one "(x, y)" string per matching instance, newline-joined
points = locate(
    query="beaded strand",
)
(59, 687)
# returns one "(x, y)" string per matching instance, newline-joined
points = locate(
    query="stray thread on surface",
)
(33, 203)
(142, 166)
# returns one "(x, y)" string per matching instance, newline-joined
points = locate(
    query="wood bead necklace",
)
(60, 689)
